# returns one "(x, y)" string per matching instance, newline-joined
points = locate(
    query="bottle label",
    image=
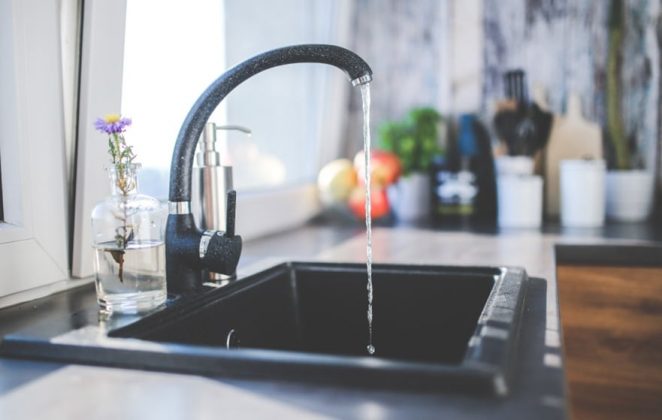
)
(455, 193)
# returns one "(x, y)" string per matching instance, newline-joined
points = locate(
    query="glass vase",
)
(129, 246)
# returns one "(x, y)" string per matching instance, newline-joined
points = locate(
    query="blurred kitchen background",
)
(457, 84)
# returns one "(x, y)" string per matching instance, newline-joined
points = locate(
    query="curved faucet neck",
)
(182, 160)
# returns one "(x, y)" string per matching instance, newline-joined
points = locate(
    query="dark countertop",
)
(26, 386)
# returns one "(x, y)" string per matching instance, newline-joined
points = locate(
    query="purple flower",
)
(112, 124)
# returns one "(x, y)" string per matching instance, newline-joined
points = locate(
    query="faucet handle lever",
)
(231, 213)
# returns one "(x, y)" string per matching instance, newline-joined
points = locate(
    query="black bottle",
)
(450, 206)
(463, 182)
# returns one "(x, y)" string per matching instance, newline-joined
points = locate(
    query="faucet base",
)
(184, 263)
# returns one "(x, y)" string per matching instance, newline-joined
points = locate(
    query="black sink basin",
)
(439, 327)
(418, 315)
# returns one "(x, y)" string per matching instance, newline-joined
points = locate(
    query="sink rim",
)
(486, 366)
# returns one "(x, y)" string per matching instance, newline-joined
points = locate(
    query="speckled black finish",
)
(230, 217)
(182, 258)
(187, 140)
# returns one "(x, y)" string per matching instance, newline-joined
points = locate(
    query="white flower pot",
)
(410, 197)
(582, 188)
(629, 195)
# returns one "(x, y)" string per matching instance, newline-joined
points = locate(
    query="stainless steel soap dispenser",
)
(212, 182)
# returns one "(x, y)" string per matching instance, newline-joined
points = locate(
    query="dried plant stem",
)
(614, 117)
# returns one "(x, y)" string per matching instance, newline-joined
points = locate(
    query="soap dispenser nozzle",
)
(209, 155)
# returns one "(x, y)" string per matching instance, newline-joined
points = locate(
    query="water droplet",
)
(371, 349)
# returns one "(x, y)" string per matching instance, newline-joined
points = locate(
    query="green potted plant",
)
(415, 140)
(629, 187)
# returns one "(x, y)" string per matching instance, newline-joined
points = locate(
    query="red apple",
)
(378, 202)
(385, 167)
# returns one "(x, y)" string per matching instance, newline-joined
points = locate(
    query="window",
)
(165, 71)
(293, 111)
(44, 210)
(283, 106)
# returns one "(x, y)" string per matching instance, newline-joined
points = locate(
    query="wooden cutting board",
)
(571, 137)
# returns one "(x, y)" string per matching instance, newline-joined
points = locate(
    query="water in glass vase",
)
(130, 280)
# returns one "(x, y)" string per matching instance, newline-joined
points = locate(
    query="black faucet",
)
(189, 250)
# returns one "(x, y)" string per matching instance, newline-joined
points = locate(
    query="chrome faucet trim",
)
(366, 78)
(179, 207)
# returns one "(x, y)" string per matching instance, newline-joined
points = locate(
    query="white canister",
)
(519, 201)
(582, 192)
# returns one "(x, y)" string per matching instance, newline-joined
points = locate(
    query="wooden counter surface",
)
(612, 332)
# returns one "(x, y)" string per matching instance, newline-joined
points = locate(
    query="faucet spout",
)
(184, 242)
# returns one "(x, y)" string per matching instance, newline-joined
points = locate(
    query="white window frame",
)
(34, 245)
(258, 213)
